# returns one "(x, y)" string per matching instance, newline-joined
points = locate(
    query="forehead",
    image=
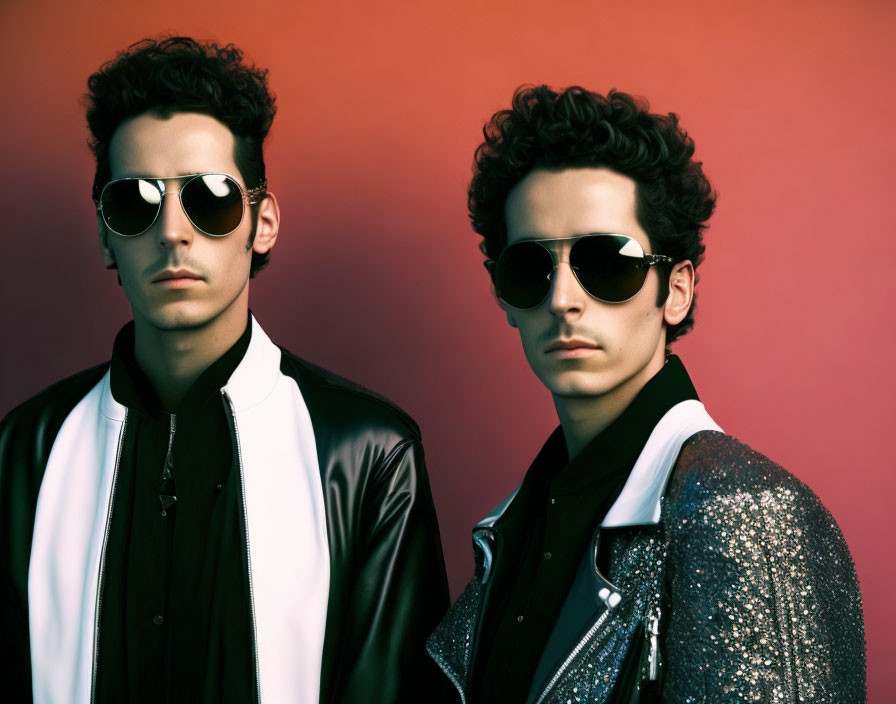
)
(575, 201)
(183, 143)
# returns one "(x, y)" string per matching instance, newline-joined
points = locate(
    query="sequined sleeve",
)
(763, 599)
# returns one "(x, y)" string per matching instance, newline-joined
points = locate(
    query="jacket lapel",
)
(587, 608)
(594, 606)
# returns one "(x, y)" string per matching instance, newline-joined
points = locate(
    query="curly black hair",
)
(574, 128)
(178, 74)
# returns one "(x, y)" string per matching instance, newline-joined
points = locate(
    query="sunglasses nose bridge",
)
(173, 222)
(559, 255)
(555, 265)
(566, 295)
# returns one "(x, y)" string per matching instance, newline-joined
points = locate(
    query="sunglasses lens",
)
(131, 206)
(522, 274)
(214, 203)
(610, 267)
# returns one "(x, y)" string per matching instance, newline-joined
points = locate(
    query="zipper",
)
(239, 454)
(168, 480)
(611, 598)
(574, 654)
(653, 633)
(99, 581)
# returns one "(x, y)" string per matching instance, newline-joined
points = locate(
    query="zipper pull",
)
(167, 491)
(653, 634)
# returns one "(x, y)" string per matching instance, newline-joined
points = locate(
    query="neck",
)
(584, 417)
(173, 359)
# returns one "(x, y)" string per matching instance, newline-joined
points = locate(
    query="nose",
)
(566, 299)
(174, 227)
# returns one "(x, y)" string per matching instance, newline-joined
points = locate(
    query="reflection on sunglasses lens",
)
(130, 207)
(605, 271)
(214, 203)
(609, 267)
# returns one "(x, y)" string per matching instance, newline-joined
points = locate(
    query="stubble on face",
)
(184, 143)
(628, 338)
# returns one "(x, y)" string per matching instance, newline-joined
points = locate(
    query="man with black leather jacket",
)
(207, 517)
(646, 555)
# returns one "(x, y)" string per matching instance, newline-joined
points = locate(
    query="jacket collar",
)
(109, 407)
(251, 382)
(256, 376)
(498, 511)
(640, 501)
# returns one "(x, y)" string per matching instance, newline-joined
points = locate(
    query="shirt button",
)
(158, 619)
(519, 618)
(553, 500)
(547, 556)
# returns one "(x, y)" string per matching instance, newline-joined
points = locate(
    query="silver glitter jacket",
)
(743, 591)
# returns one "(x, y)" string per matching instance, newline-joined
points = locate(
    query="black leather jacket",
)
(387, 585)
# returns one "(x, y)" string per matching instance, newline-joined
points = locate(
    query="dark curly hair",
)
(178, 74)
(576, 128)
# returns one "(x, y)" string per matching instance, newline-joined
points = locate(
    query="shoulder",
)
(51, 405)
(343, 406)
(713, 466)
(369, 451)
(28, 432)
(720, 485)
(752, 550)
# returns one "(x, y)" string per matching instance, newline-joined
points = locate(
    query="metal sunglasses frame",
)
(646, 260)
(247, 197)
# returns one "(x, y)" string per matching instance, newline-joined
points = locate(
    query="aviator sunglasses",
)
(611, 268)
(213, 202)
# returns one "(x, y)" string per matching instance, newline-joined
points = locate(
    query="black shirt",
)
(544, 533)
(175, 615)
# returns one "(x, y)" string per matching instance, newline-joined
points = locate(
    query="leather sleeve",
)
(764, 599)
(399, 591)
(388, 588)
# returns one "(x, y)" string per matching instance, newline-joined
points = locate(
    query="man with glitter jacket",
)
(207, 518)
(646, 556)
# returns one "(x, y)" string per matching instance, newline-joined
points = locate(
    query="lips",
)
(573, 344)
(573, 349)
(174, 274)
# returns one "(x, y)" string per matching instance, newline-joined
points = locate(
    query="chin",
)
(180, 316)
(577, 384)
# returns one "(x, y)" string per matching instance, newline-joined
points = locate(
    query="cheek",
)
(647, 325)
(127, 256)
(635, 328)
(239, 243)
(529, 331)
(648, 312)
(225, 254)
(240, 254)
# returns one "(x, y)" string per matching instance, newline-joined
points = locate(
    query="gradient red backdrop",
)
(377, 275)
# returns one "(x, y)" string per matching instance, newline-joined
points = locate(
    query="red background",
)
(377, 276)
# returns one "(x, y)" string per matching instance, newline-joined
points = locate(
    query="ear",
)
(267, 225)
(105, 247)
(511, 321)
(681, 293)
